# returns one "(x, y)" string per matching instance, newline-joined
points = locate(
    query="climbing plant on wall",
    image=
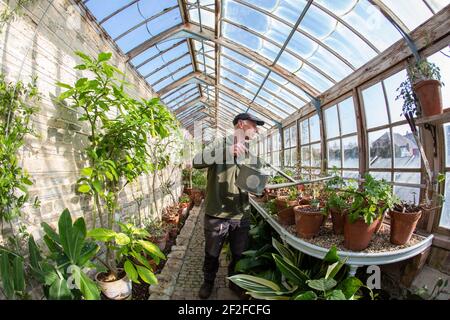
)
(17, 105)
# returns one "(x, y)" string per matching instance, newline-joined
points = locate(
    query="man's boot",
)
(206, 289)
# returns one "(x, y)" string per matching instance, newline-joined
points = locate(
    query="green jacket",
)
(223, 198)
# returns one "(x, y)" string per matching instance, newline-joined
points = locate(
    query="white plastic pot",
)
(116, 290)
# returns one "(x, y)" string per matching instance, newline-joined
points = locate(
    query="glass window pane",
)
(347, 116)
(316, 154)
(380, 149)
(334, 154)
(294, 157)
(331, 122)
(395, 106)
(407, 177)
(314, 126)
(304, 132)
(407, 194)
(406, 152)
(381, 175)
(287, 137)
(294, 136)
(441, 59)
(445, 214)
(375, 106)
(351, 152)
(276, 158)
(306, 156)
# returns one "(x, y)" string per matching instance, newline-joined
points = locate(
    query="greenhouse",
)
(246, 150)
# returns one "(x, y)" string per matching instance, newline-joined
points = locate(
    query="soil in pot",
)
(112, 288)
(308, 221)
(430, 97)
(403, 223)
(338, 219)
(286, 216)
(357, 235)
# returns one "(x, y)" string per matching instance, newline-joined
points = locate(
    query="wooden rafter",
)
(218, 35)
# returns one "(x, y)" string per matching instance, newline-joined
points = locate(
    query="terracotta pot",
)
(269, 196)
(403, 226)
(307, 223)
(430, 97)
(357, 235)
(188, 191)
(380, 223)
(286, 216)
(283, 203)
(115, 290)
(197, 196)
(304, 201)
(338, 219)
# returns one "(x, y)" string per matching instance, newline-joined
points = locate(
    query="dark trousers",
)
(216, 231)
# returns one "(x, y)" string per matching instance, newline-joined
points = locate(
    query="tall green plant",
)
(17, 106)
(118, 149)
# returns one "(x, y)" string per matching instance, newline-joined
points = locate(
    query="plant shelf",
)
(354, 259)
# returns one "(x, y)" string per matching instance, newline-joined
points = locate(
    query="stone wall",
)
(41, 42)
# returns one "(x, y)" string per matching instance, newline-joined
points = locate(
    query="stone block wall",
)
(41, 42)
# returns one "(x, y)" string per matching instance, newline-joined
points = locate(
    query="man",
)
(226, 206)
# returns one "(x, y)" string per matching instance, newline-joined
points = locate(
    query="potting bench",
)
(354, 259)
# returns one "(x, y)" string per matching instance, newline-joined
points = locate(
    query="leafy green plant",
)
(271, 206)
(327, 281)
(199, 179)
(132, 249)
(293, 194)
(17, 106)
(12, 274)
(185, 198)
(118, 150)
(62, 271)
(374, 199)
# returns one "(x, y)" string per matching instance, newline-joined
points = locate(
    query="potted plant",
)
(366, 211)
(184, 204)
(133, 251)
(171, 215)
(285, 205)
(404, 218)
(309, 218)
(187, 179)
(159, 232)
(423, 85)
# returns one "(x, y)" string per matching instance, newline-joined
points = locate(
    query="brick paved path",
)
(182, 275)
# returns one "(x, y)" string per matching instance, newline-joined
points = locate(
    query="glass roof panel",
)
(268, 106)
(288, 85)
(177, 91)
(163, 59)
(329, 64)
(279, 104)
(146, 31)
(438, 5)
(186, 60)
(236, 88)
(239, 80)
(314, 78)
(179, 74)
(250, 41)
(208, 17)
(154, 51)
(412, 12)
(249, 63)
(283, 93)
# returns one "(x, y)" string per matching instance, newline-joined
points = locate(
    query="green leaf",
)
(285, 252)
(63, 85)
(336, 295)
(255, 284)
(270, 296)
(27, 181)
(322, 284)
(59, 290)
(84, 188)
(50, 232)
(334, 269)
(141, 259)
(290, 271)
(350, 286)
(72, 236)
(83, 56)
(88, 288)
(6, 276)
(131, 271)
(101, 234)
(87, 171)
(80, 82)
(35, 255)
(151, 248)
(97, 186)
(66, 94)
(109, 175)
(331, 256)
(122, 239)
(147, 275)
(19, 274)
(308, 295)
(88, 252)
(104, 56)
